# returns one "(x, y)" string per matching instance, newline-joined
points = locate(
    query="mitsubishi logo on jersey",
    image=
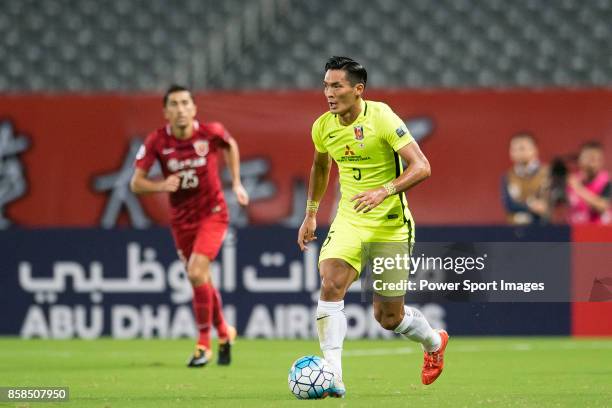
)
(348, 151)
(201, 147)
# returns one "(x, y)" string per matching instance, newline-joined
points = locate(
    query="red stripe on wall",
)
(591, 318)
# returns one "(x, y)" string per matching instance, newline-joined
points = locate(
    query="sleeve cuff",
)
(402, 143)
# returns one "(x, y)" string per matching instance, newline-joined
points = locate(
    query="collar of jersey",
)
(359, 118)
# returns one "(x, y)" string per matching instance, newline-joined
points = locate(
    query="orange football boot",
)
(433, 362)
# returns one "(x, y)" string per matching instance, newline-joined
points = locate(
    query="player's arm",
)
(145, 158)
(232, 158)
(141, 184)
(319, 178)
(417, 170)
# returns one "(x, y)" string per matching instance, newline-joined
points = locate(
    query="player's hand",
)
(171, 183)
(306, 232)
(241, 194)
(369, 200)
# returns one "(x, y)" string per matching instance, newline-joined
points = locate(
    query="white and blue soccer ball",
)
(310, 377)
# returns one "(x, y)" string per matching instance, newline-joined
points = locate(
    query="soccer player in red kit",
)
(188, 152)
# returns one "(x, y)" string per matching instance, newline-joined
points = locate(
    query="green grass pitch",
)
(479, 372)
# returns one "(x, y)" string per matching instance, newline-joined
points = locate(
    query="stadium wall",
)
(71, 154)
(592, 318)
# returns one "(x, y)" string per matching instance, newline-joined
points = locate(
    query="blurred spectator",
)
(525, 187)
(589, 189)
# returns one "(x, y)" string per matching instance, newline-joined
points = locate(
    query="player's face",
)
(591, 161)
(180, 109)
(523, 151)
(340, 94)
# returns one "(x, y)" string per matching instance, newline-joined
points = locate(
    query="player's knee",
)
(198, 269)
(336, 277)
(388, 321)
(197, 274)
(332, 289)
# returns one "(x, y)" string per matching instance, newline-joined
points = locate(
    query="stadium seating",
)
(450, 43)
(144, 45)
(111, 45)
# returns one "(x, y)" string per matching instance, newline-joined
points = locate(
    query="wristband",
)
(312, 206)
(390, 187)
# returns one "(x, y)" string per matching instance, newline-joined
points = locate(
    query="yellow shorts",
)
(345, 241)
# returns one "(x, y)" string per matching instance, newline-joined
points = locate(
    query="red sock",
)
(203, 310)
(217, 315)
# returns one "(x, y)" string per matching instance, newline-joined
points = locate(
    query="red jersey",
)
(195, 161)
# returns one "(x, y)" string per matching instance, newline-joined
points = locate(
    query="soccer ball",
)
(310, 377)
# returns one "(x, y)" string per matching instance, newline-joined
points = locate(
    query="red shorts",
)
(205, 239)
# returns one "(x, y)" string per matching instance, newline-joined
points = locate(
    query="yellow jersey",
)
(366, 154)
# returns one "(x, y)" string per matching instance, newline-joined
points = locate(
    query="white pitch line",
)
(406, 350)
(476, 349)
(378, 352)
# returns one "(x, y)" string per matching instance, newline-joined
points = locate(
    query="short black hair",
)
(355, 72)
(525, 135)
(591, 144)
(172, 89)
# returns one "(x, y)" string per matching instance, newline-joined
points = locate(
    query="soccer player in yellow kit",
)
(366, 140)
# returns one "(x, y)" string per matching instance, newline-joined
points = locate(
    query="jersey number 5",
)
(189, 179)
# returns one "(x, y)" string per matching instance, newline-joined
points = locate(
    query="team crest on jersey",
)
(358, 132)
(201, 147)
